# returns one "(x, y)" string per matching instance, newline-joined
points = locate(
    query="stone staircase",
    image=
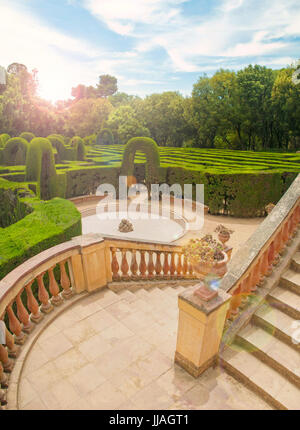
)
(265, 355)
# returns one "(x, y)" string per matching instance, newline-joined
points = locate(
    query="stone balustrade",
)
(205, 327)
(255, 261)
(83, 264)
(142, 261)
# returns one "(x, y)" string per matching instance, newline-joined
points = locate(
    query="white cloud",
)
(235, 28)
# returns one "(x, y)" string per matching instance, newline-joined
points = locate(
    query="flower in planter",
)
(221, 229)
(205, 249)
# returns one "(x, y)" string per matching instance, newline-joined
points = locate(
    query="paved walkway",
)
(115, 351)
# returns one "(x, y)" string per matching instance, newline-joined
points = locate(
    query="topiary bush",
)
(74, 141)
(3, 139)
(105, 137)
(90, 140)
(58, 143)
(40, 166)
(14, 146)
(27, 136)
(149, 147)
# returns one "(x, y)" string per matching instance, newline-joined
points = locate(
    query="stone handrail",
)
(85, 263)
(254, 262)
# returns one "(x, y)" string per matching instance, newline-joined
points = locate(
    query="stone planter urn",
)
(209, 274)
(209, 261)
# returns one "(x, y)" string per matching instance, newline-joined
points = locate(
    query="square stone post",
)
(200, 328)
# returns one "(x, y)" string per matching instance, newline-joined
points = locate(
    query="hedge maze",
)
(237, 183)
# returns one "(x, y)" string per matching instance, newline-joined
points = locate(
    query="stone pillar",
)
(93, 254)
(200, 328)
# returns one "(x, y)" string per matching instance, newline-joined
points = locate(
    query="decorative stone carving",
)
(125, 226)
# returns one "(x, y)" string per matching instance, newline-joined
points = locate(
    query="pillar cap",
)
(205, 306)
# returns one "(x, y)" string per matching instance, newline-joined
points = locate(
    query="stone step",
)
(285, 300)
(291, 280)
(278, 323)
(127, 295)
(261, 378)
(296, 262)
(271, 351)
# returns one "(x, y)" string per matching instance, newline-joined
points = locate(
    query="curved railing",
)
(254, 263)
(85, 263)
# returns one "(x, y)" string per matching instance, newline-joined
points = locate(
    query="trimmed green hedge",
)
(14, 152)
(58, 143)
(27, 136)
(105, 137)
(40, 166)
(149, 147)
(49, 224)
(3, 139)
(12, 209)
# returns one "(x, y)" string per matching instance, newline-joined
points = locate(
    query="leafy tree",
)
(87, 116)
(108, 85)
(124, 124)
(163, 116)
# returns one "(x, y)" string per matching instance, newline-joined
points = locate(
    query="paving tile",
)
(79, 332)
(60, 395)
(119, 310)
(116, 333)
(107, 396)
(55, 345)
(35, 359)
(152, 397)
(101, 320)
(35, 405)
(94, 347)
(86, 379)
(69, 362)
(44, 377)
(26, 392)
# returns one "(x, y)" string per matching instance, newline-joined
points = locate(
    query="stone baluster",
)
(33, 305)
(43, 295)
(285, 237)
(13, 350)
(7, 363)
(179, 264)
(172, 265)
(65, 282)
(255, 276)
(3, 377)
(23, 315)
(264, 266)
(158, 265)
(245, 289)
(290, 229)
(271, 258)
(56, 299)
(190, 269)
(3, 400)
(150, 265)
(124, 264)
(143, 265)
(294, 222)
(15, 326)
(235, 303)
(166, 266)
(185, 266)
(277, 245)
(133, 266)
(114, 265)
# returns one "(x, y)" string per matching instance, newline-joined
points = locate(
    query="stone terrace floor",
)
(115, 351)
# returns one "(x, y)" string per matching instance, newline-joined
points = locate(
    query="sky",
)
(150, 46)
